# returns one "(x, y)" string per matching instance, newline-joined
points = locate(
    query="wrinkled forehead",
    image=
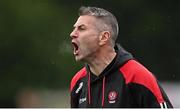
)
(86, 20)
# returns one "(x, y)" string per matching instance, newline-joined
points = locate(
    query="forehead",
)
(85, 20)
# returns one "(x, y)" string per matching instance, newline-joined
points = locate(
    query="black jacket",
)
(123, 83)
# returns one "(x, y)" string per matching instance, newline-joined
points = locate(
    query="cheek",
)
(88, 41)
(91, 42)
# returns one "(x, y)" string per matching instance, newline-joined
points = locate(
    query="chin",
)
(79, 59)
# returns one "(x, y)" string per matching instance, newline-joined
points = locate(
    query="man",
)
(111, 76)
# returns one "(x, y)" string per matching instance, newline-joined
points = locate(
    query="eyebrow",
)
(79, 25)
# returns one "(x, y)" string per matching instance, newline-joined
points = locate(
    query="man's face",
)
(85, 38)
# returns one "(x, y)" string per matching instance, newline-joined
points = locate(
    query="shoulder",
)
(134, 72)
(82, 73)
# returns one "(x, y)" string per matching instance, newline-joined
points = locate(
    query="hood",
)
(121, 58)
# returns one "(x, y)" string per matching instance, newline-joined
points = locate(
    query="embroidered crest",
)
(112, 96)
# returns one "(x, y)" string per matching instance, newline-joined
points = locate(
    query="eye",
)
(82, 27)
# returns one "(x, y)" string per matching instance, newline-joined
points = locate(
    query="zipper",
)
(89, 90)
(103, 91)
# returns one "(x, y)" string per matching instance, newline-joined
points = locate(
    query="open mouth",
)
(75, 47)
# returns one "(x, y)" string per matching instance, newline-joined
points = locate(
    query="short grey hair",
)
(108, 20)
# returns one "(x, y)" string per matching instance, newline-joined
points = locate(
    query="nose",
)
(74, 34)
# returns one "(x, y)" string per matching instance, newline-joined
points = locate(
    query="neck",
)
(101, 60)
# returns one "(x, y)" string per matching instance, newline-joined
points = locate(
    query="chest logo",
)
(112, 97)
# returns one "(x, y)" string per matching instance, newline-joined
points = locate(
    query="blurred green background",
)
(35, 49)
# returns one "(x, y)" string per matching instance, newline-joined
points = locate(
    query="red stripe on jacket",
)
(134, 72)
(77, 77)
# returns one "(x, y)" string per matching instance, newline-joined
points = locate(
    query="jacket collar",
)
(121, 58)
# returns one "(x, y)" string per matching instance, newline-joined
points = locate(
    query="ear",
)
(104, 37)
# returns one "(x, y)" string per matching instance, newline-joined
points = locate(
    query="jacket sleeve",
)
(74, 85)
(73, 95)
(144, 87)
(145, 98)
(74, 102)
(165, 97)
